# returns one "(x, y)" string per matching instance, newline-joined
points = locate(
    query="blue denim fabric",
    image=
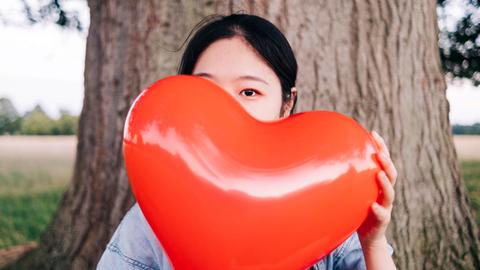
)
(134, 246)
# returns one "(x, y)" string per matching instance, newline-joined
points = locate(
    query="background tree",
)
(66, 124)
(10, 120)
(460, 47)
(37, 122)
(52, 11)
(375, 61)
(467, 129)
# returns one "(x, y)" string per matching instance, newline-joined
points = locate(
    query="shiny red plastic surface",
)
(222, 190)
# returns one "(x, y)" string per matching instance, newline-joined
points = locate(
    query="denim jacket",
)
(134, 246)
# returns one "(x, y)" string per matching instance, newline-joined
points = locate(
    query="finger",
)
(388, 167)
(381, 143)
(380, 213)
(388, 193)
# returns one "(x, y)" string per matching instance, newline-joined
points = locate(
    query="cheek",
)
(265, 109)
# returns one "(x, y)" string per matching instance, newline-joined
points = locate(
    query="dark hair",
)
(261, 34)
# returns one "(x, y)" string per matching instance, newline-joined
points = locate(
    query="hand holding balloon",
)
(374, 227)
(372, 231)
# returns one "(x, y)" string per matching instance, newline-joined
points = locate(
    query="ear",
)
(288, 106)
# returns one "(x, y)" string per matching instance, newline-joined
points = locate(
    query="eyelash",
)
(251, 89)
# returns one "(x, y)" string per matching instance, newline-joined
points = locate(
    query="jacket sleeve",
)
(350, 255)
(134, 246)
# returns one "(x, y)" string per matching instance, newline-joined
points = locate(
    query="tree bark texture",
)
(376, 61)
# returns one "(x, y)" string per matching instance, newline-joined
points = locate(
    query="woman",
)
(251, 59)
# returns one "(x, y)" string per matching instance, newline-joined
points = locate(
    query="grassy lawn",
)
(471, 175)
(34, 172)
(25, 216)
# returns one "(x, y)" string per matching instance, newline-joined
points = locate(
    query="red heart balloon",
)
(223, 190)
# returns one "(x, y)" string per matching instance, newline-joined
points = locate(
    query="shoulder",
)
(134, 245)
(348, 255)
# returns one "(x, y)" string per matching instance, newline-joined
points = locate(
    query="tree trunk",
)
(376, 61)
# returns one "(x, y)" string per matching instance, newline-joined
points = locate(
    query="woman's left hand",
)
(372, 232)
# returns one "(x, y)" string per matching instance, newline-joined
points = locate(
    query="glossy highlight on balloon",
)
(223, 190)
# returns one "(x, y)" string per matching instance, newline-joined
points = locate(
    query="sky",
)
(43, 64)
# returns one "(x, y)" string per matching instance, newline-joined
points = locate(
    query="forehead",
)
(231, 58)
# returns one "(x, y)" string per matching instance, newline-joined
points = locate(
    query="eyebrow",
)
(243, 77)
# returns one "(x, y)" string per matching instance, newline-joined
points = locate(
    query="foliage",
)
(467, 129)
(65, 125)
(460, 47)
(9, 118)
(53, 11)
(35, 122)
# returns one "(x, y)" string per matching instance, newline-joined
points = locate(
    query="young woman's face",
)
(234, 65)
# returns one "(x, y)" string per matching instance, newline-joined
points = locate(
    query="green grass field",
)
(25, 216)
(471, 175)
(35, 171)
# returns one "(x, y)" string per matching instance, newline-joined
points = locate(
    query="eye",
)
(249, 92)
